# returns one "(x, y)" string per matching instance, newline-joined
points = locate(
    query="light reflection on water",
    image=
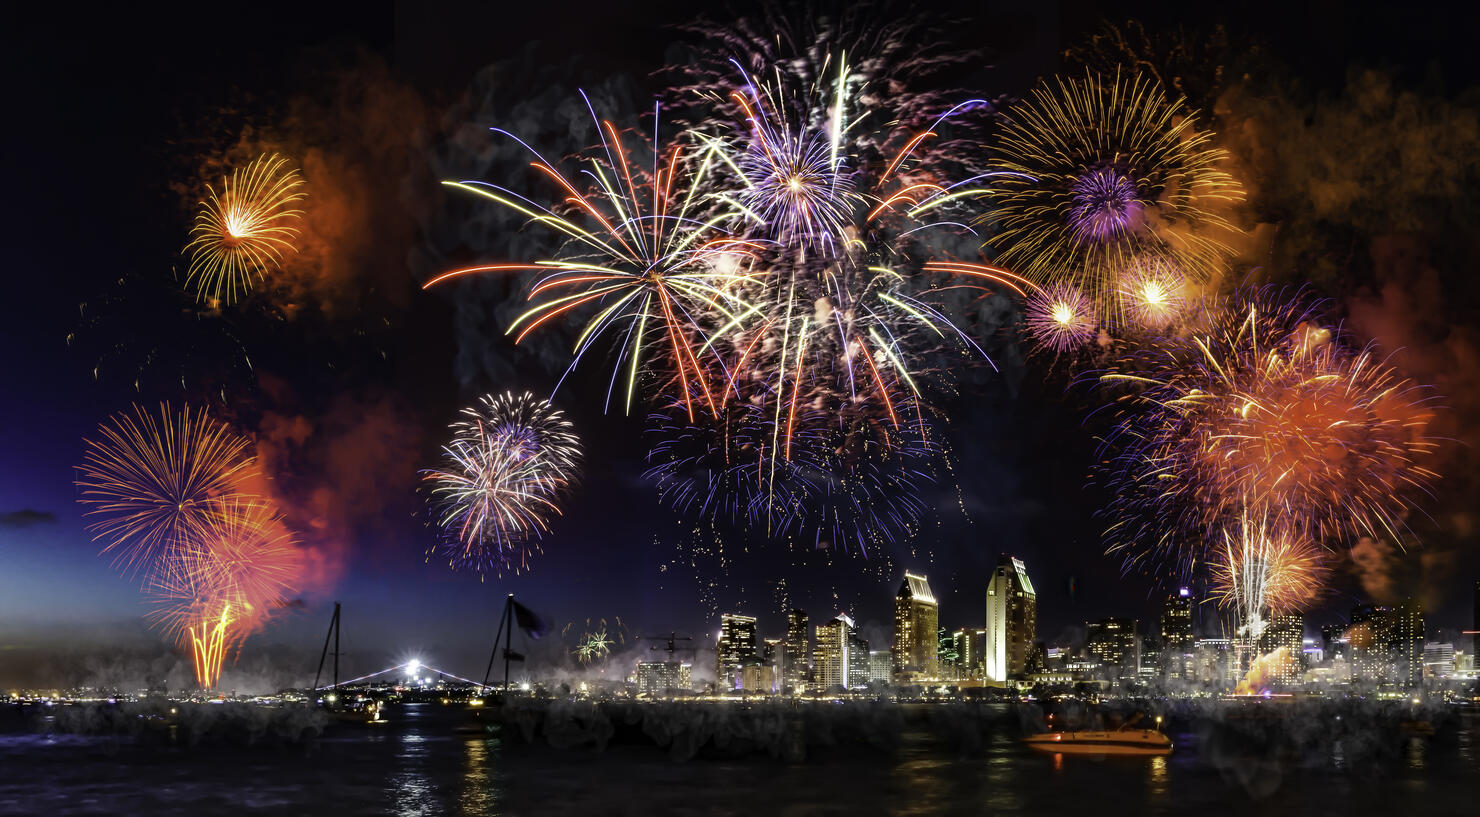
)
(420, 765)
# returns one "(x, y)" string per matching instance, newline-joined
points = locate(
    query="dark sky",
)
(111, 109)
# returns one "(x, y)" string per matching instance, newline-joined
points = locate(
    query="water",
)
(418, 766)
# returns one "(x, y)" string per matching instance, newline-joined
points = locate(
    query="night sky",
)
(348, 383)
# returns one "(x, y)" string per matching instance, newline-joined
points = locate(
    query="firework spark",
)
(150, 483)
(232, 568)
(1266, 416)
(511, 460)
(244, 231)
(1261, 570)
(1101, 171)
(1060, 318)
(1151, 293)
(644, 259)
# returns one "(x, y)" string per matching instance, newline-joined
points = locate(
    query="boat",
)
(1100, 742)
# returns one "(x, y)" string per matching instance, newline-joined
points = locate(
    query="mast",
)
(498, 636)
(508, 637)
(334, 634)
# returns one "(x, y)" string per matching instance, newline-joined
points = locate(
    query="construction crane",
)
(671, 643)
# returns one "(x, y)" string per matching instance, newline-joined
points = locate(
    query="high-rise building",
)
(967, 644)
(916, 617)
(736, 643)
(1012, 620)
(858, 660)
(1438, 659)
(1286, 632)
(880, 666)
(1386, 644)
(833, 647)
(1213, 662)
(1176, 637)
(796, 661)
(1115, 646)
(658, 678)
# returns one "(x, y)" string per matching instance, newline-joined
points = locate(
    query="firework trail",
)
(243, 231)
(1266, 416)
(1261, 569)
(844, 482)
(1101, 171)
(647, 261)
(149, 483)
(227, 576)
(511, 460)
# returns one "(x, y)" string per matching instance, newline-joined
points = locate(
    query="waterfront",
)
(418, 765)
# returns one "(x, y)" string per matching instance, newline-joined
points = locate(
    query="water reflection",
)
(1157, 778)
(411, 791)
(480, 782)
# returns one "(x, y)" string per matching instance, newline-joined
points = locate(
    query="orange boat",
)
(1119, 742)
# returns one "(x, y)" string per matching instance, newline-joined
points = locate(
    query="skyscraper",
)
(857, 660)
(1285, 632)
(968, 645)
(736, 643)
(1012, 620)
(1176, 637)
(1114, 645)
(916, 617)
(1387, 644)
(796, 663)
(833, 647)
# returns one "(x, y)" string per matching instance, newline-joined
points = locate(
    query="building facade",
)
(659, 679)
(737, 642)
(1177, 638)
(834, 643)
(1012, 621)
(916, 618)
(1115, 647)
(796, 659)
(1285, 632)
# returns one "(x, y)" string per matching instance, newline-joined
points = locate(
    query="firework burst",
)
(511, 460)
(1060, 318)
(229, 572)
(643, 261)
(1267, 414)
(244, 230)
(1101, 171)
(150, 483)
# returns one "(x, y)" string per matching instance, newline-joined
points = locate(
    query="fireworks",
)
(1060, 318)
(651, 268)
(1102, 171)
(1260, 569)
(838, 481)
(795, 182)
(594, 646)
(150, 483)
(227, 575)
(167, 496)
(511, 460)
(244, 230)
(1151, 293)
(1265, 416)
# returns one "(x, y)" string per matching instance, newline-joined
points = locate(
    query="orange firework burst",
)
(245, 229)
(150, 482)
(1266, 414)
(232, 568)
(1262, 569)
